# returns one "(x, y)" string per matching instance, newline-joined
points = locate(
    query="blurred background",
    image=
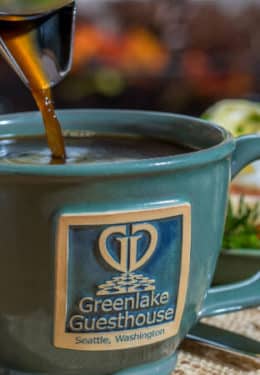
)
(170, 55)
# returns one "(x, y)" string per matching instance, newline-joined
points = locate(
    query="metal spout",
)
(21, 8)
(51, 32)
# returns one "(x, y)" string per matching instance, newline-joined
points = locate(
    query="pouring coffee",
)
(36, 40)
(105, 266)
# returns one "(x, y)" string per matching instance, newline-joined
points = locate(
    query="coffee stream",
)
(20, 39)
(39, 60)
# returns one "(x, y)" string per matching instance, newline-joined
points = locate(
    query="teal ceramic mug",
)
(106, 265)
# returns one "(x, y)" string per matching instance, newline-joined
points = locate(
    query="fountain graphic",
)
(129, 281)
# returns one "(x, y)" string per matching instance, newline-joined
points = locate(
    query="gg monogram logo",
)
(128, 257)
(121, 277)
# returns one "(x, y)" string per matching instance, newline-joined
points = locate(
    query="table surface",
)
(195, 359)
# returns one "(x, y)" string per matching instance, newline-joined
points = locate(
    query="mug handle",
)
(245, 294)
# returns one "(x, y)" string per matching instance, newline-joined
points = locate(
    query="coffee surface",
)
(87, 149)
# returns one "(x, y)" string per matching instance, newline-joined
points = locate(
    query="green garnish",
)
(241, 227)
(243, 224)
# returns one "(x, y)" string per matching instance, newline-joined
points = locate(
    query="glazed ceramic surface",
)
(105, 267)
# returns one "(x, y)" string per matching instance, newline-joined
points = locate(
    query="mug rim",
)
(143, 166)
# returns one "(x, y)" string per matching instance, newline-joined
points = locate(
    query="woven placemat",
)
(195, 359)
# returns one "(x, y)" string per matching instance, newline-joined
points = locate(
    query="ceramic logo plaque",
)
(121, 277)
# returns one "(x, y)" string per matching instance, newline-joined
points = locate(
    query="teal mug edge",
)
(247, 252)
(162, 164)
